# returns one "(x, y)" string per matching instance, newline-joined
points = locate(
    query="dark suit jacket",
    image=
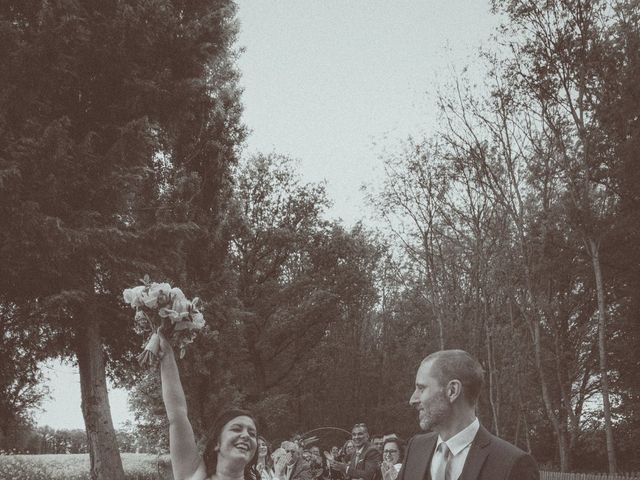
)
(301, 471)
(489, 458)
(368, 463)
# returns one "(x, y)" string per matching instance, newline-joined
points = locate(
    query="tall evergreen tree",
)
(119, 121)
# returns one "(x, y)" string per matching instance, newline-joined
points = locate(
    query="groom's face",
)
(429, 398)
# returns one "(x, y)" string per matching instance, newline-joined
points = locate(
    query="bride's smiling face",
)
(238, 439)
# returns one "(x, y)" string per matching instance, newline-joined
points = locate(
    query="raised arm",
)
(186, 461)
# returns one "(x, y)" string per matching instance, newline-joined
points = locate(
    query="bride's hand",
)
(165, 346)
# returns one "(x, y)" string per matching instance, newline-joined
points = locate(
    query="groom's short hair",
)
(450, 365)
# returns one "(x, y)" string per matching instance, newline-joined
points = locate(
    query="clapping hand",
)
(280, 461)
(339, 466)
(389, 471)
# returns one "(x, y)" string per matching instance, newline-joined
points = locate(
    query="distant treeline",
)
(27, 439)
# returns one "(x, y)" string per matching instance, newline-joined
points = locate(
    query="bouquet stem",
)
(150, 354)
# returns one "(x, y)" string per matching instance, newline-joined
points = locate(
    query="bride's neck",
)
(228, 471)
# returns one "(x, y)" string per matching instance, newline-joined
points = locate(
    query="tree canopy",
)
(119, 124)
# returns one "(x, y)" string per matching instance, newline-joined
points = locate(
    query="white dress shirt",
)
(459, 445)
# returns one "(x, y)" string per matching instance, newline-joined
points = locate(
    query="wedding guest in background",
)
(377, 442)
(365, 462)
(339, 454)
(265, 462)
(293, 466)
(335, 451)
(306, 454)
(318, 463)
(392, 456)
(346, 452)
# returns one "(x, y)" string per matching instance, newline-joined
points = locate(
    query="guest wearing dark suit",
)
(365, 462)
(448, 384)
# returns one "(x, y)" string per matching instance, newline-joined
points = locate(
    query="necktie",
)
(444, 469)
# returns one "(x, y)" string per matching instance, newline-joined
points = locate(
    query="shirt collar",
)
(462, 439)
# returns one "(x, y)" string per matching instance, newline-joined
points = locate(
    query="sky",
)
(333, 84)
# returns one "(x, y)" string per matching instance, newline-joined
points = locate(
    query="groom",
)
(448, 384)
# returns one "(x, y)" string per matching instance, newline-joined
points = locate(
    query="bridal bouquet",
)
(158, 305)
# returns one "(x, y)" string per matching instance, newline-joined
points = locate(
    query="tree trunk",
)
(101, 437)
(602, 349)
(384, 360)
(490, 370)
(355, 359)
(558, 429)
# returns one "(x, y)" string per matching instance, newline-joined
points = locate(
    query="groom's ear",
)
(454, 390)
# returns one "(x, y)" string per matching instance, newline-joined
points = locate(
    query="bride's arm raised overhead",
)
(186, 461)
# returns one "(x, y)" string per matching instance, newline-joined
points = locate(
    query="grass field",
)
(75, 467)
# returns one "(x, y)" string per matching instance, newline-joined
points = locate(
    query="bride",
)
(231, 452)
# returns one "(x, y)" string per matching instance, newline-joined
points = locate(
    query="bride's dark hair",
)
(210, 455)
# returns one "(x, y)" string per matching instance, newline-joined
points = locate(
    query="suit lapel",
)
(424, 454)
(365, 450)
(477, 455)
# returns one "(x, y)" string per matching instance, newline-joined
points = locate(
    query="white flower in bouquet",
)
(157, 294)
(133, 296)
(198, 320)
(158, 305)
